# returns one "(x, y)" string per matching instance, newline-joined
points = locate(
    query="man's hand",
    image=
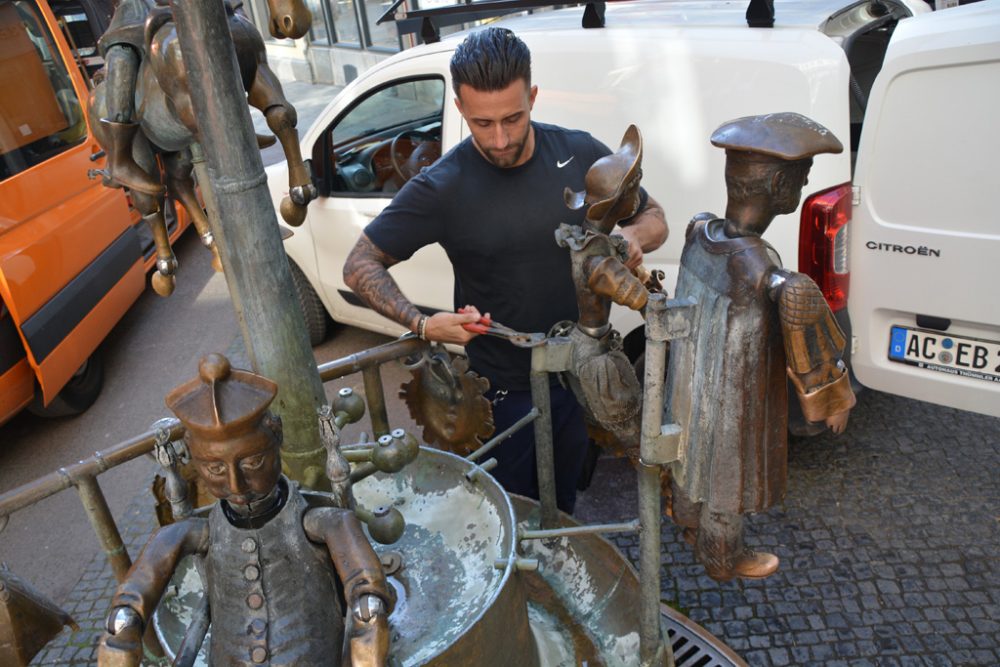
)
(634, 249)
(645, 233)
(447, 327)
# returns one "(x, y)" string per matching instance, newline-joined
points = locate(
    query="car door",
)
(70, 260)
(401, 114)
(926, 232)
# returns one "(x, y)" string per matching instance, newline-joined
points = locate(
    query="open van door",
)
(925, 252)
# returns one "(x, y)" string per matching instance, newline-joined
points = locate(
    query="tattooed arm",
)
(366, 272)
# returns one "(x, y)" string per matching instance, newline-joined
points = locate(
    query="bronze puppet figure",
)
(757, 324)
(144, 104)
(601, 376)
(273, 565)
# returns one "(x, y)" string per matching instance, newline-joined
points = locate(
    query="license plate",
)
(937, 351)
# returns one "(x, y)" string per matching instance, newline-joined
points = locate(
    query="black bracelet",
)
(422, 328)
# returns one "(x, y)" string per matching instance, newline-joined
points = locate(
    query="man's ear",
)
(532, 93)
(458, 105)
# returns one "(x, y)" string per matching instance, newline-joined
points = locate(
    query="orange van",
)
(73, 253)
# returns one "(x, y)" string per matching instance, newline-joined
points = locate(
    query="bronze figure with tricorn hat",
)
(756, 326)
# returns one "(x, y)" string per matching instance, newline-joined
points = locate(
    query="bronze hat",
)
(221, 403)
(783, 136)
(607, 177)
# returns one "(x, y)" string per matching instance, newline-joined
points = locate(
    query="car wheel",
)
(312, 308)
(79, 393)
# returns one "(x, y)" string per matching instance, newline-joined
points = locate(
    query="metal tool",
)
(486, 326)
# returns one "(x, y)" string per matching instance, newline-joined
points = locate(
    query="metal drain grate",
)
(694, 646)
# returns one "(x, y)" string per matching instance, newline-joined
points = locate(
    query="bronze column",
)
(248, 236)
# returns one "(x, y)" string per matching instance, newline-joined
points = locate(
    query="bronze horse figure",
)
(168, 127)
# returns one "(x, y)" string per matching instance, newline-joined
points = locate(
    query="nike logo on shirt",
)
(560, 164)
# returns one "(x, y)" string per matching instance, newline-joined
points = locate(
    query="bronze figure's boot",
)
(755, 564)
(122, 166)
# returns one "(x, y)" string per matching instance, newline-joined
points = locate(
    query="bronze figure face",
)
(234, 440)
(240, 471)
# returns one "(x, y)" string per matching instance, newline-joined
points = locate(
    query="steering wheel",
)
(424, 154)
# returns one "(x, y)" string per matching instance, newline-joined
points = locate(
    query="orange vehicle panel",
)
(71, 252)
(17, 387)
(61, 363)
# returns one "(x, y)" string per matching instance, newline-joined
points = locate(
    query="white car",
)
(678, 69)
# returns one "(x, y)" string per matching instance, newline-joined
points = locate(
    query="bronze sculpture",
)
(755, 322)
(274, 565)
(601, 376)
(144, 104)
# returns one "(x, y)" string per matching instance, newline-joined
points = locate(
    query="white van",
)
(925, 250)
(677, 69)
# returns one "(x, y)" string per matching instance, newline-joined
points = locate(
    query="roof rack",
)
(427, 23)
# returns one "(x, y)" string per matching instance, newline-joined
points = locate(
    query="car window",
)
(40, 114)
(387, 137)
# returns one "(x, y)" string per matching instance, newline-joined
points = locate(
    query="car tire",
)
(312, 308)
(79, 393)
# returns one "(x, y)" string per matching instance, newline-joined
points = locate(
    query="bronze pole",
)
(544, 454)
(652, 649)
(359, 361)
(54, 482)
(248, 236)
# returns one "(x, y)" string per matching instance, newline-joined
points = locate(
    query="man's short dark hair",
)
(490, 60)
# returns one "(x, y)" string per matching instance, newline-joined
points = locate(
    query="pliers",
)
(486, 326)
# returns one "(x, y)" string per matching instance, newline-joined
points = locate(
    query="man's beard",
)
(510, 155)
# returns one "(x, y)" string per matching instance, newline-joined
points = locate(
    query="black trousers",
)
(516, 469)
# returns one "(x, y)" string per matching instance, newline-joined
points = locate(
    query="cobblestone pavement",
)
(889, 541)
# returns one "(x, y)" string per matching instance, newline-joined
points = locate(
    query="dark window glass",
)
(40, 114)
(387, 137)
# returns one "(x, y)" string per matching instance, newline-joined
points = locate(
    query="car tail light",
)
(823, 240)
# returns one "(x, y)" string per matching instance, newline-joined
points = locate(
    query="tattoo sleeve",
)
(366, 272)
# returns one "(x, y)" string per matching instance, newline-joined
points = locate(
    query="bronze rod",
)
(651, 644)
(359, 472)
(54, 482)
(627, 527)
(359, 361)
(544, 452)
(376, 400)
(104, 526)
(531, 416)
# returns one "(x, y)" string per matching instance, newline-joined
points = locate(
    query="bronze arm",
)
(136, 598)
(608, 277)
(814, 345)
(369, 597)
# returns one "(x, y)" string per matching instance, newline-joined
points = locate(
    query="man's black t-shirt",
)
(497, 226)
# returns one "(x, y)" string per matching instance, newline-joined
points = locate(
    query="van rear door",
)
(925, 252)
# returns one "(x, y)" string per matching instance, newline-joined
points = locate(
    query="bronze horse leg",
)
(178, 169)
(266, 95)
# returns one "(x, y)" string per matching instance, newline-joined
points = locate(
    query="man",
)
(279, 573)
(494, 203)
(755, 323)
